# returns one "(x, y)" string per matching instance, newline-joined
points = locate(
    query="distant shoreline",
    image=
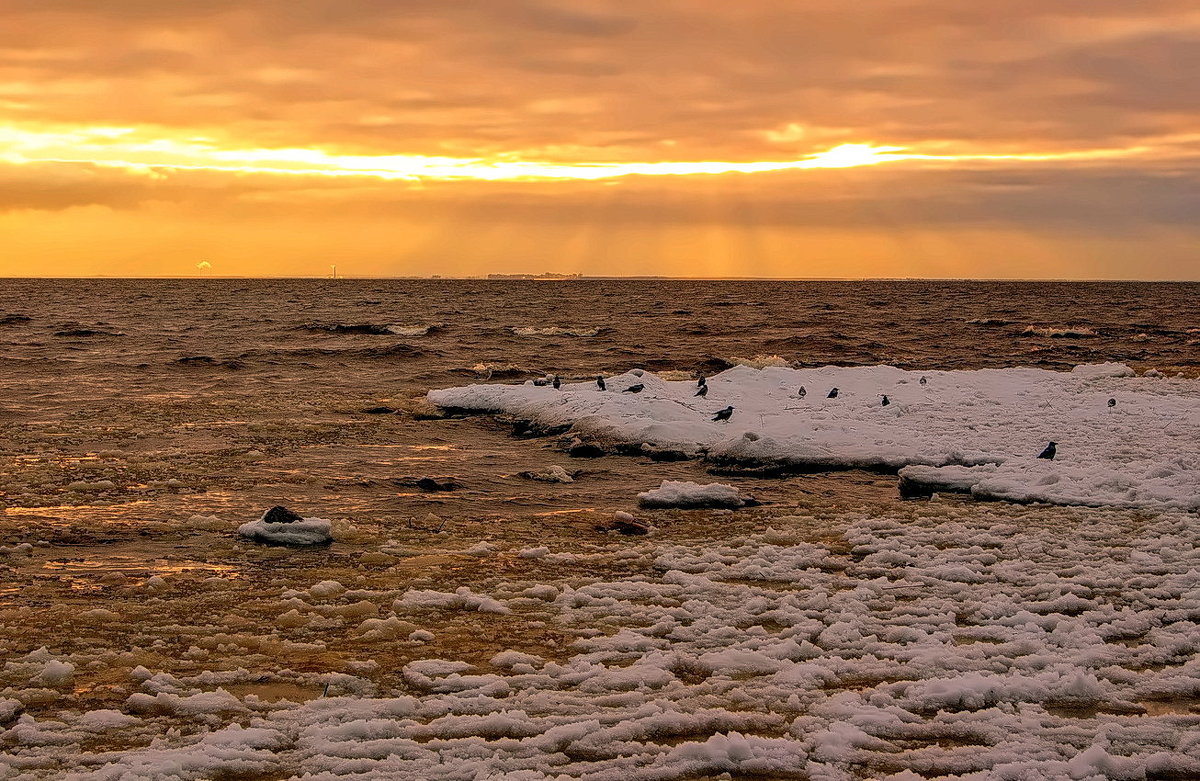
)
(587, 278)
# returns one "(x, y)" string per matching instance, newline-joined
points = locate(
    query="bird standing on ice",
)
(634, 388)
(600, 382)
(723, 414)
(701, 383)
(702, 392)
(886, 401)
(1049, 452)
(802, 392)
(1112, 402)
(832, 394)
(557, 382)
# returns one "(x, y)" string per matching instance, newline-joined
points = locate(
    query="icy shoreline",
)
(977, 432)
(964, 644)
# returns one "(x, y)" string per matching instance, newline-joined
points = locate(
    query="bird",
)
(723, 414)
(802, 392)
(1049, 452)
(924, 380)
(634, 388)
(557, 382)
(886, 401)
(600, 382)
(701, 383)
(832, 394)
(702, 392)
(1112, 402)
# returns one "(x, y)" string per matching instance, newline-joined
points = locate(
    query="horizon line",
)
(529, 277)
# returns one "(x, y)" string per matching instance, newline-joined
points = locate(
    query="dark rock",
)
(663, 454)
(281, 514)
(379, 411)
(14, 319)
(629, 526)
(434, 484)
(580, 449)
(197, 360)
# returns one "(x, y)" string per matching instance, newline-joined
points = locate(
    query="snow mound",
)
(684, 494)
(308, 531)
(973, 431)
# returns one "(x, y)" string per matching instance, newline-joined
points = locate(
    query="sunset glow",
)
(701, 131)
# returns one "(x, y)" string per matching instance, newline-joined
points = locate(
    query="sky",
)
(693, 138)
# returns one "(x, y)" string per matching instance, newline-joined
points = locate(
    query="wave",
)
(495, 371)
(1058, 333)
(375, 329)
(554, 330)
(761, 361)
(415, 330)
(86, 332)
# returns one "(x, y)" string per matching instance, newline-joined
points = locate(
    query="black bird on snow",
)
(802, 392)
(557, 382)
(832, 394)
(600, 382)
(701, 383)
(924, 380)
(723, 414)
(634, 388)
(1049, 452)
(1112, 402)
(702, 392)
(886, 401)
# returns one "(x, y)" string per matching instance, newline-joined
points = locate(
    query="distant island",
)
(545, 275)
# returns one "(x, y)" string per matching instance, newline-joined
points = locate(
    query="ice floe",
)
(963, 644)
(973, 431)
(688, 495)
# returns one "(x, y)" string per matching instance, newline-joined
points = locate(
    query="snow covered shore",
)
(965, 644)
(971, 431)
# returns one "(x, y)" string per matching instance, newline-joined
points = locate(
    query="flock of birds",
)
(724, 415)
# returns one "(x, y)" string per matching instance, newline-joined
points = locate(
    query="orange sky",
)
(802, 138)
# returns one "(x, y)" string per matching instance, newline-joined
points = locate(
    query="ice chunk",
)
(687, 495)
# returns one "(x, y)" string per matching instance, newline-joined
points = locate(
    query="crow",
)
(886, 401)
(702, 392)
(1049, 452)
(832, 394)
(557, 382)
(723, 414)
(1112, 402)
(924, 380)
(600, 382)
(635, 388)
(802, 392)
(701, 383)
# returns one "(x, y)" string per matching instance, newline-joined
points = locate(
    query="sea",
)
(142, 421)
(162, 387)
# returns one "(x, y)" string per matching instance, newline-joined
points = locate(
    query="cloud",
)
(709, 78)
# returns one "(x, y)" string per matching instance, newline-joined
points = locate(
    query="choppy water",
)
(238, 392)
(201, 395)
(136, 331)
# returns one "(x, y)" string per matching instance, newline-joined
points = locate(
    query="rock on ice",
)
(306, 531)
